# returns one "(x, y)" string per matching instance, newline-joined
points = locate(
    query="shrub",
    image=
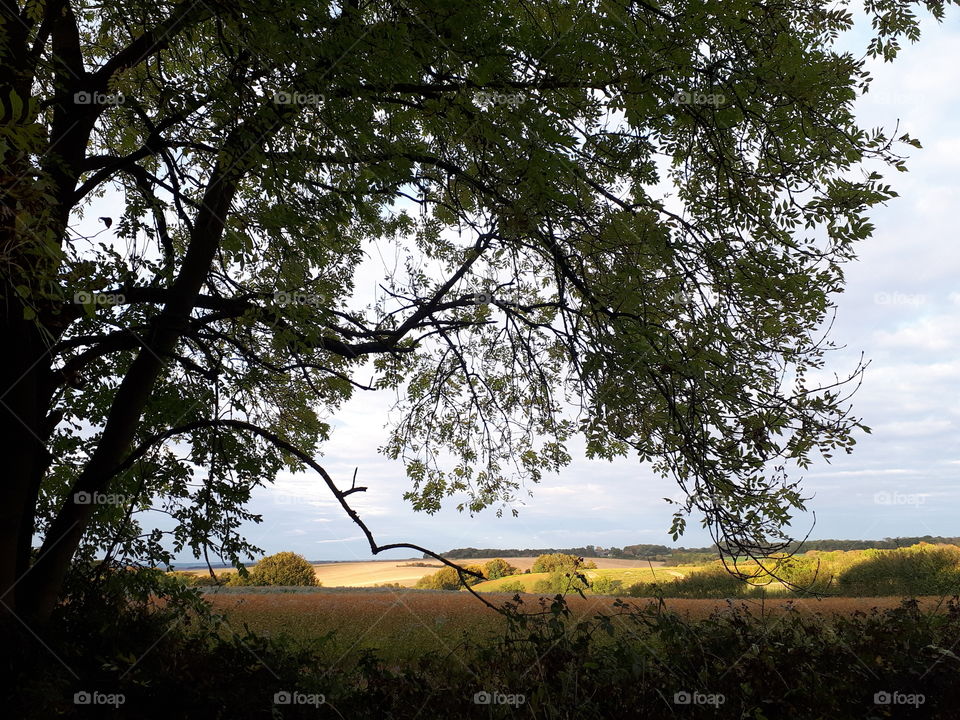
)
(283, 568)
(713, 581)
(205, 580)
(237, 579)
(182, 576)
(642, 589)
(606, 586)
(444, 579)
(542, 586)
(513, 586)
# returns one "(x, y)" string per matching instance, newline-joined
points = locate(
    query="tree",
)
(444, 579)
(498, 568)
(283, 568)
(183, 350)
(560, 561)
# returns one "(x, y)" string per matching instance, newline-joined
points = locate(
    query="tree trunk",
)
(24, 372)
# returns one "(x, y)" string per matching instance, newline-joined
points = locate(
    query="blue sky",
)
(901, 309)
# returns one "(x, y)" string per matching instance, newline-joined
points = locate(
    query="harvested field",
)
(369, 573)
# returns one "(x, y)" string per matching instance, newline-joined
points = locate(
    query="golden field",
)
(370, 573)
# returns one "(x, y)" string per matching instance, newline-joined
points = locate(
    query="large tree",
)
(640, 208)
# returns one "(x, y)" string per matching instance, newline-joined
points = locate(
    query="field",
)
(627, 575)
(402, 625)
(377, 572)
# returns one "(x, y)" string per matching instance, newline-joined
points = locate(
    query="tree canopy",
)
(638, 209)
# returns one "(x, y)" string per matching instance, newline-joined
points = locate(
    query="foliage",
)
(498, 568)
(444, 579)
(917, 570)
(560, 561)
(239, 579)
(468, 553)
(283, 568)
(604, 585)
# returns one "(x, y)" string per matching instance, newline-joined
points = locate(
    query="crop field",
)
(403, 625)
(371, 573)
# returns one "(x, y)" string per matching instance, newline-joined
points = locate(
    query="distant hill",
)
(665, 553)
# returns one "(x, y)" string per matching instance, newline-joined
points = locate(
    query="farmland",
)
(404, 624)
(371, 573)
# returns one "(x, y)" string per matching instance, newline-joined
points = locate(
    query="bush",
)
(513, 586)
(561, 582)
(190, 579)
(543, 587)
(444, 579)
(237, 579)
(205, 581)
(642, 589)
(283, 568)
(606, 586)
(710, 582)
(187, 578)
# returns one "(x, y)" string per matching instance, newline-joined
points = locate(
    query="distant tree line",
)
(684, 555)
(468, 553)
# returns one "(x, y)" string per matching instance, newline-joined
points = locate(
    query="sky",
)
(900, 309)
